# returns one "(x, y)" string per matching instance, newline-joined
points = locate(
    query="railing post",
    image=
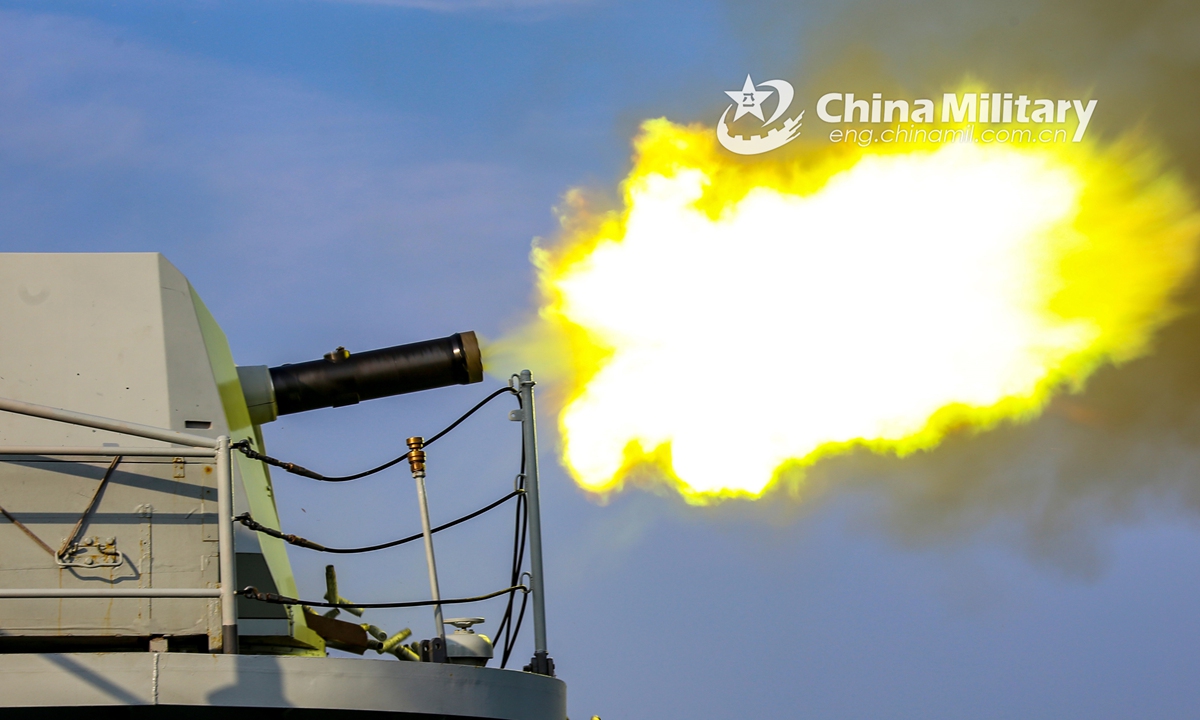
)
(542, 662)
(416, 462)
(220, 452)
(227, 559)
(103, 423)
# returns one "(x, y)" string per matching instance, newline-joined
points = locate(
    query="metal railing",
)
(523, 385)
(219, 449)
(527, 487)
(541, 663)
(193, 446)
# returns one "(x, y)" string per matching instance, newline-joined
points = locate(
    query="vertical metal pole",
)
(416, 460)
(227, 558)
(541, 663)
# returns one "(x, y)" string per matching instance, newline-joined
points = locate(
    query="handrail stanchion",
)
(227, 557)
(221, 452)
(541, 663)
(102, 423)
(416, 462)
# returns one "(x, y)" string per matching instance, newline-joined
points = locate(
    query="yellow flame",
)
(738, 317)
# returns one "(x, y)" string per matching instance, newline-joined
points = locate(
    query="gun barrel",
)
(342, 378)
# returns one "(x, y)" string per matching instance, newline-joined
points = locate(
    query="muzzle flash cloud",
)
(890, 298)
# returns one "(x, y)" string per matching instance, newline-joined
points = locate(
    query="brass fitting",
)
(338, 355)
(416, 456)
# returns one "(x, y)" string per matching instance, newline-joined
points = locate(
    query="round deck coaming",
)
(200, 686)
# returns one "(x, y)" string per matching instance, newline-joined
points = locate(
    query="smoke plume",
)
(1130, 443)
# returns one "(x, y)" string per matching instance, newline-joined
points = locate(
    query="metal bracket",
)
(541, 664)
(517, 415)
(92, 552)
(433, 650)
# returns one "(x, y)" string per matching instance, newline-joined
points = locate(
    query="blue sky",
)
(337, 173)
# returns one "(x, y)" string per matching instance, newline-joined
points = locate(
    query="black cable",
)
(298, 541)
(518, 561)
(293, 468)
(511, 631)
(469, 413)
(505, 626)
(517, 631)
(252, 593)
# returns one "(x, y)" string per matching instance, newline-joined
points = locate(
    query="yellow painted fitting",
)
(352, 610)
(394, 641)
(331, 589)
(332, 596)
(404, 653)
(374, 631)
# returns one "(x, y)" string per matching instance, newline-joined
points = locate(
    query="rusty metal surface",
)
(339, 634)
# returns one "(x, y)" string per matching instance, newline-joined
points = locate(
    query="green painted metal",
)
(255, 478)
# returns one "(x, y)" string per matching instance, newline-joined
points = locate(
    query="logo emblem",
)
(748, 101)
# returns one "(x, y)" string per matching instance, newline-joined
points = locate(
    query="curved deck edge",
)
(74, 680)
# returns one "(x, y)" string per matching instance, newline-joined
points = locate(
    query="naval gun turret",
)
(116, 566)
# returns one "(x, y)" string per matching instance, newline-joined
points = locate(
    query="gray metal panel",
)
(82, 332)
(117, 335)
(87, 679)
(163, 516)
